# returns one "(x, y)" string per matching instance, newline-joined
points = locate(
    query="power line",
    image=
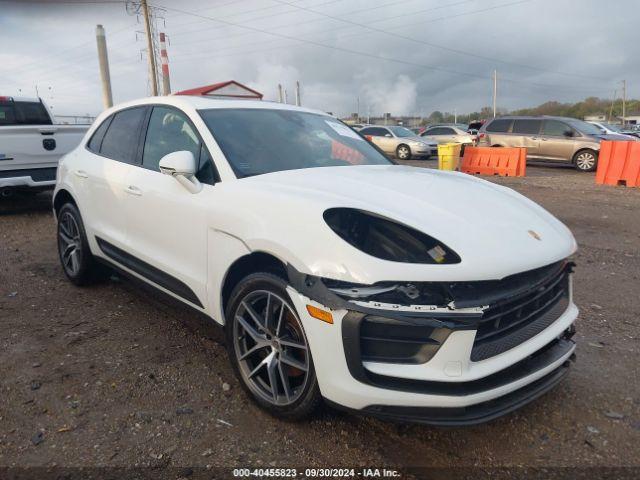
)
(433, 45)
(355, 52)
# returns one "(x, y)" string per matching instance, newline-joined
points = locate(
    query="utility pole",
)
(164, 59)
(455, 115)
(280, 95)
(613, 101)
(103, 60)
(151, 55)
(624, 102)
(298, 101)
(495, 92)
(286, 99)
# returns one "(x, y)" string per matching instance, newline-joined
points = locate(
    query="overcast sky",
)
(403, 57)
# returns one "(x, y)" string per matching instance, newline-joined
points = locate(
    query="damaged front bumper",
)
(404, 361)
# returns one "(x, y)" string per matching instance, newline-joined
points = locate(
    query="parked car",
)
(555, 139)
(401, 292)
(31, 144)
(633, 130)
(448, 135)
(609, 129)
(400, 141)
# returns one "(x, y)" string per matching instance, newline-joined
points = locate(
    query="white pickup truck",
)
(31, 144)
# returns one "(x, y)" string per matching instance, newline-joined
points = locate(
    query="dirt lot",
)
(114, 376)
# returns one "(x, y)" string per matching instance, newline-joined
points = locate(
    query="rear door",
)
(381, 137)
(558, 141)
(526, 133)
(167, 225)
(101, 177)
(436, 134)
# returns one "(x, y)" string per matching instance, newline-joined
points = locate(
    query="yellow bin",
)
(448, 156)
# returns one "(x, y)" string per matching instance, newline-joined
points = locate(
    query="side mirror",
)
(388, 135)
(181, 165)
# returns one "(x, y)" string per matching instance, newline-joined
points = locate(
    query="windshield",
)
(402, 132)
(584, 127)
(257, 141)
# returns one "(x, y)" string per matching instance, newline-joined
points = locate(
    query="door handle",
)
(81, 174)
(133, 190)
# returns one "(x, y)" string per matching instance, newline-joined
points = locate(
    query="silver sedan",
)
(400, 142)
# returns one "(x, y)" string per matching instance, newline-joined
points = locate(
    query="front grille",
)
(507, 324)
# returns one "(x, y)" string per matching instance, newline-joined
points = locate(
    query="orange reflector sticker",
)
(320, 314)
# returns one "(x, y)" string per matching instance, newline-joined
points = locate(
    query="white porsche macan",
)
(400, 292)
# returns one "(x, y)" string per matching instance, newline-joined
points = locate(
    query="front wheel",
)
(403, 152)
(585, 160)
(268, 348)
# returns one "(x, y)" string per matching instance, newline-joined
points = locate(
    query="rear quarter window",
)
(96, 139)
(500, 125)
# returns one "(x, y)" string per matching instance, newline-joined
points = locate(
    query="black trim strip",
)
(149, 272)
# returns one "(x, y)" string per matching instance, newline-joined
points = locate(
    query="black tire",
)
(78, 264)
(403, 152)
(305, 397)
(585, 160)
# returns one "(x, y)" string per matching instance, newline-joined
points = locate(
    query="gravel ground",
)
(113, 375)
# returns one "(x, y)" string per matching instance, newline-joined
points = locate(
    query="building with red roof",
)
(230, 89)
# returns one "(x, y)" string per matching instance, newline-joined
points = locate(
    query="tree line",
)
(584, 108)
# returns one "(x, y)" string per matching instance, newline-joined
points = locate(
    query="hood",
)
(615, 137)
(495, 231)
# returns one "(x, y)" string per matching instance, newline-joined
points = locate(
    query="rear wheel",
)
(585, 160)
(268, 347)
(403, 152)
(78, 263)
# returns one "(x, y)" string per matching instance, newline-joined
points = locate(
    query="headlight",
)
(386, 239)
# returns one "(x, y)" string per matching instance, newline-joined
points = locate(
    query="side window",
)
(121, 140)
(98, 135)
(527, 127)
(500, 125)
(434, 131)
(169, 131)
(555, 128)
(375, 131)
(448, 131)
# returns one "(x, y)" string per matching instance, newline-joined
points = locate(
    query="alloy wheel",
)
(271, 348)
(403, 153)
(70, 244)
(586, 161)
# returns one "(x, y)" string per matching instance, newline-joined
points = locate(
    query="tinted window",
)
(500, 125)
(555, 128)
(526, 126)
(374, 131)
(264, 140)
(24, 113)
(169, 131)
(434, 131)
(206, 170)
(98, 135)
(121, 140)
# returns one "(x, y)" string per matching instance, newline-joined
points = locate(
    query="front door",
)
(557, 142)
(168, 225)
